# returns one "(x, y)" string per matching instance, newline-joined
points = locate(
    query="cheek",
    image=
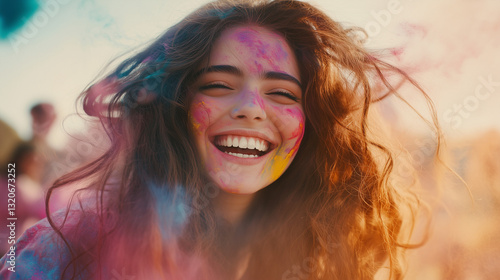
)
(290, 122)
(199, 115)
(297, 129)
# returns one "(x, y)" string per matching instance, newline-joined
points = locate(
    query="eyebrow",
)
(220, 69)
(271, 75)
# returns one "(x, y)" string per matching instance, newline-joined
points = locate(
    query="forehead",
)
(254, 47)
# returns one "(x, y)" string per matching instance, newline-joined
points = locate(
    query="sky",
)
(451, 47)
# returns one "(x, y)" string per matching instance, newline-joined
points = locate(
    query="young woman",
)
(239, 150)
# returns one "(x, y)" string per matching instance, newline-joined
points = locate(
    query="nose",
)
(250, 106)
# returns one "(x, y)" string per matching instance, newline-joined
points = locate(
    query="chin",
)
(240, 188)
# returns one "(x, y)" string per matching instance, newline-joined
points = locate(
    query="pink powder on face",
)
(255, 99)
(296, 114)
(281, 54)
(272, 54)
(199, 115)
(258, 66)
(290, 114)
(300, 134)
(260, 101)
(299, 131)
(255, 51)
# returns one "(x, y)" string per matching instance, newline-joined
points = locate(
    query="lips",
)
(242, 146)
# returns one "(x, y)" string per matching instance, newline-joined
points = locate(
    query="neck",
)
(231, 206)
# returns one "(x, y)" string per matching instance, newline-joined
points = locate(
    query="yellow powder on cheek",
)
(194, 124)
(278, 164)
(196, 121)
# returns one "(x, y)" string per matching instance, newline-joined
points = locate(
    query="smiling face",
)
(246, 113)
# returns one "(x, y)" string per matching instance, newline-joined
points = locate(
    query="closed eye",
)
(214, 85)
(285, 94)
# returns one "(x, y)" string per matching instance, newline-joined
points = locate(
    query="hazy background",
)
(452, 47)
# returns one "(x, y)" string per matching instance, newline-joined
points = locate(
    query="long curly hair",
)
(333, 214)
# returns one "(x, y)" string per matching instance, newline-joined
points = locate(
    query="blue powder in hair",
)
(171, 209)
(223, 14)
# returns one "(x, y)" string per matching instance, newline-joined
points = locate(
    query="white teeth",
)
(243, 143)
(251, 143)
(264, 146)
(241, 155)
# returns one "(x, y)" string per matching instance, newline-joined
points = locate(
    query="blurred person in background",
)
(29, 195)
(9, 139)
(43, 116)
(31, 159)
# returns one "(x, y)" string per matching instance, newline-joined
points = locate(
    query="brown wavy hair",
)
(333, 214)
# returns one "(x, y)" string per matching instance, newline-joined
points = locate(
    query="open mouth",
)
(241, 146)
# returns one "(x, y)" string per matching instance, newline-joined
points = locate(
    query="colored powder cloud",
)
(14, 14)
